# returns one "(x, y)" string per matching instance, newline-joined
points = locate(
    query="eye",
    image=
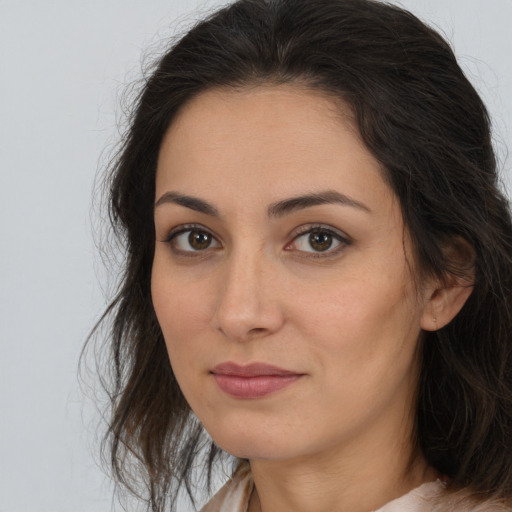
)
(189, 240)
(318, 240)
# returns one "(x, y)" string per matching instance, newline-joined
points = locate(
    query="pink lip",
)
(255, 380)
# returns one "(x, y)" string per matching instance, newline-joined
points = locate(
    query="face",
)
(283, 276)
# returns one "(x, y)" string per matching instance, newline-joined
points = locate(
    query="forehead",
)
(267, 142)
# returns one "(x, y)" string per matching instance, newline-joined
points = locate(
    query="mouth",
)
(251, 381)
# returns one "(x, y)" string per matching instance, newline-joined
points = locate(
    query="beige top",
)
(429, 497)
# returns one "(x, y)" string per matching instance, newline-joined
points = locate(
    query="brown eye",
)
(199, 240)
(192, 240)
(320, 240)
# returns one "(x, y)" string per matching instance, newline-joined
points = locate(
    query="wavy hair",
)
(423, 121)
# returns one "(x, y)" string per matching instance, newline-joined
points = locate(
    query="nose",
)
(247, 305)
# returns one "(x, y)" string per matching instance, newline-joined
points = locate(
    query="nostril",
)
(257, 330)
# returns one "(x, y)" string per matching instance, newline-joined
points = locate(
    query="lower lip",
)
(253, 387)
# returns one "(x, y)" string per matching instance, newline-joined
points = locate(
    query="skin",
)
(346, 319)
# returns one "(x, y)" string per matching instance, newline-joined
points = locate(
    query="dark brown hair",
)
(421, 118)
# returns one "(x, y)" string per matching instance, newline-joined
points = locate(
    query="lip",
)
(255, 380)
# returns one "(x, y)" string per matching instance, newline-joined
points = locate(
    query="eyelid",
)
(308, 228)
(340, 236)
(184, 228)
(343, 239)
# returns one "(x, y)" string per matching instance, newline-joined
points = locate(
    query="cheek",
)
(183, 309)
(176, 320)
(175, 294)
(361, 340)
(360, 324)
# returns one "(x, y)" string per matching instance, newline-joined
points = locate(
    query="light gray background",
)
(63, 65)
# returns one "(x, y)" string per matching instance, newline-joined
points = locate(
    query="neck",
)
(339, 480)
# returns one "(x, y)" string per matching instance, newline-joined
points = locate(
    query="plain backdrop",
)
(63, 67)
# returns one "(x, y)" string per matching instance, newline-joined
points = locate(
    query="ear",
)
(444, 297)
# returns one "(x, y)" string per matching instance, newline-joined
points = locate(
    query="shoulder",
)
(433, 497)
(430, 497)
(464, 501)
(234, 495)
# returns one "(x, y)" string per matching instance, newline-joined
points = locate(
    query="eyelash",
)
(310, 229)
(187, 228)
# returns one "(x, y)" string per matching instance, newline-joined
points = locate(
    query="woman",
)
(316, 242)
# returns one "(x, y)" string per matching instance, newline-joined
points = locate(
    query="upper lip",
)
(250, 370)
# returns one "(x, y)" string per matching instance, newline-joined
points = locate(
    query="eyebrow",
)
(194, 203)
(287, 206)
(278, 209)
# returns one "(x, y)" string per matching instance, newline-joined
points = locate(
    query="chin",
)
(255, 442)
(246, 445)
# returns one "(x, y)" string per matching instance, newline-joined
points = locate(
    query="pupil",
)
(320, 241)
(199, 240)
